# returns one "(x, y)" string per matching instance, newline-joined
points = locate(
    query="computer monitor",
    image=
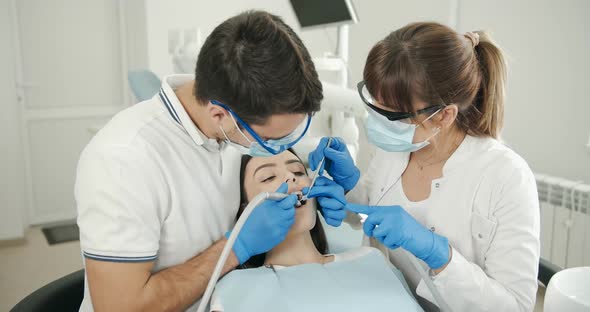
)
(320, 13)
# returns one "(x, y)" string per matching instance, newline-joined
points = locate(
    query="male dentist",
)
(158, 187)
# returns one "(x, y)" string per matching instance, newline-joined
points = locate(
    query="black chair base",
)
(64, 294)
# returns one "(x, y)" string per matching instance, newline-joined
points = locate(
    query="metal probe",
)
(316, 174)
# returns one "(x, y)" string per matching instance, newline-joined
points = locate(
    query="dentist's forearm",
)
(125, 286)
(177, 287)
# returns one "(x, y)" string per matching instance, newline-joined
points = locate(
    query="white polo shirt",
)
(151, 187)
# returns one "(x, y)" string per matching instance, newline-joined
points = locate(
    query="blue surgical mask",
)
(251, 150)
(394, 136)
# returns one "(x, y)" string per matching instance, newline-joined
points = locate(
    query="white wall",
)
(134, 17)
(547, 109)
(12, 183)
(206, 15)
(377, 18)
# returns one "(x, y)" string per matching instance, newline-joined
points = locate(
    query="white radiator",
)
(565, 221)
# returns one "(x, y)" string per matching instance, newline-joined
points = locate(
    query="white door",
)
(71, 80)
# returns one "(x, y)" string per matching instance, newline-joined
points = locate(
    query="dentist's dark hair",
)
(318, 235)
(258, 66)
(433, 63)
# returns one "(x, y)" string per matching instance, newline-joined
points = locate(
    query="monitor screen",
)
(312, 13)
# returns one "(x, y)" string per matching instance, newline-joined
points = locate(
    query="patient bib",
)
(361, 282)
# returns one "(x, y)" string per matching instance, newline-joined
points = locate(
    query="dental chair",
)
(64, 294)
(546, 271)
(143, 83)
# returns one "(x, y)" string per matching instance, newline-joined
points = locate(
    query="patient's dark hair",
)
(258, 66)
(318, 236)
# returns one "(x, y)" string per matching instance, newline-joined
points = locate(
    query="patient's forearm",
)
(177, 287)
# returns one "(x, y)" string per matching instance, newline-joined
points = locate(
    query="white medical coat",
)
(486, 204)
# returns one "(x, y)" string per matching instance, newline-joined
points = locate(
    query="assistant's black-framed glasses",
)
(392, 116)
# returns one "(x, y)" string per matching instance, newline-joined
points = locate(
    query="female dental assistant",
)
(442, 186)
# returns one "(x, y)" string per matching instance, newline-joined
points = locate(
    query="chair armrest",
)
(546, 271)
(64, 294)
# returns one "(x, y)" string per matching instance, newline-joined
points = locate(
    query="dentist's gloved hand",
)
(330, 198)
(394, 227)
(266, 227)
(338, 163)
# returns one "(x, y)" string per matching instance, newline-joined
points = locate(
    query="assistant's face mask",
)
(394, 136)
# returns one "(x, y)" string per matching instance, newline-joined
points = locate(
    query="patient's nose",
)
(293, 183)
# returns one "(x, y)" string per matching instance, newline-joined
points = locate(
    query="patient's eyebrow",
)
(292, 161)
(264, 166)
(288, 162)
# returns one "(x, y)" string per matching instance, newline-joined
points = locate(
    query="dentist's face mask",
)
(260, 147)
(393, 131)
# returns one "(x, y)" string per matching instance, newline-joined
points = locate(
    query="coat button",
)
(437, 185)
(382, 189)
(479, 235)
(432, 229)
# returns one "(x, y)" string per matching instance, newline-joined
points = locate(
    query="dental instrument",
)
(304, 198)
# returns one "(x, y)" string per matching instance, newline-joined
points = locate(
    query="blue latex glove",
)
(338, 163)
(330, 198)
(394, 227)
(266, 227)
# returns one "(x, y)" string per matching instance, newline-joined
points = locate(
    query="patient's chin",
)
(305, 217)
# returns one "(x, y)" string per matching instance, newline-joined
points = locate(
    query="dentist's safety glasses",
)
(265, 147)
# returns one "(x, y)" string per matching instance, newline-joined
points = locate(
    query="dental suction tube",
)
(442, 304)
(230, 242)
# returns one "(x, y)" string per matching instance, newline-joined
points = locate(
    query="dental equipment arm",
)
(230, 242)
(341, 116)
(442, 304)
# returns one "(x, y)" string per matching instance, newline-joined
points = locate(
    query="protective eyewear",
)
(392, 116)
(273, 146)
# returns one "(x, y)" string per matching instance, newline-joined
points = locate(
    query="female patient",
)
(298, 274)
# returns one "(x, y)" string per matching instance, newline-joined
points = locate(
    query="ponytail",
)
(490, 97)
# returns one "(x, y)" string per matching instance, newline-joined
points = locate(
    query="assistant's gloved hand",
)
(330, 198)
(266, 227)
(338, 163)
(394, 227)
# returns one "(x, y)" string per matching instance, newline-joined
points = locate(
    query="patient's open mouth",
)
(299, 201)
